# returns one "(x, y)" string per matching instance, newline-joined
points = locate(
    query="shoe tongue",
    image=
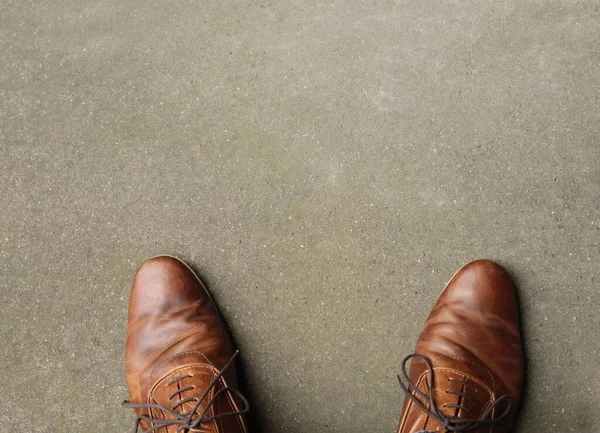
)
(165, 393)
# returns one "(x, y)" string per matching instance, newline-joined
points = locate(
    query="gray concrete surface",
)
(326, 166)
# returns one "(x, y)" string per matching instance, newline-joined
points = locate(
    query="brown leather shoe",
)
(467, 369)
(179, 357)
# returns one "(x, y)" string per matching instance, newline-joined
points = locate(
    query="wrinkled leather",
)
(472, 334)
(175, 330)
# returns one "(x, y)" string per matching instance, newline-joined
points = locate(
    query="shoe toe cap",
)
(476, 319)
(161, 284)
(483, 289)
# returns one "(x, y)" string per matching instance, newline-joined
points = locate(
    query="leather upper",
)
(176, 345)
(473, 342)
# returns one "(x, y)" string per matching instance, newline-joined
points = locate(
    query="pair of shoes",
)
(465, 375)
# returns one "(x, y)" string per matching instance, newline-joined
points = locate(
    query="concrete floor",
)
(325, 166)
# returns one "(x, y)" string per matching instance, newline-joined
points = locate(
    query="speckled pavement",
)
(325, 167)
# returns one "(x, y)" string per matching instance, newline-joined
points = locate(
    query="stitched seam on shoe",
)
(232, 404)
(242, 429)
(458, 358)
(473, 379)
(177, 356)
(204, 366)
(423, 417)
(159, 413)
(210, 368)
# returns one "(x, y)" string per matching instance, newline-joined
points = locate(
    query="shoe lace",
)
(188, 420)
(450, 423)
